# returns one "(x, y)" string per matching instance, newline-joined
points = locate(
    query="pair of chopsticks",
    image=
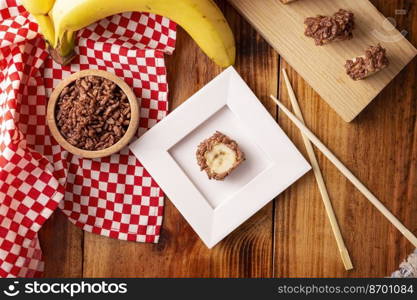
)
(309, 138)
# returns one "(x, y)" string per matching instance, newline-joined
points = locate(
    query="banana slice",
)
(219, 156)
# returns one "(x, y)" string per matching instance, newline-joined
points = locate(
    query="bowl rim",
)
(134, 114)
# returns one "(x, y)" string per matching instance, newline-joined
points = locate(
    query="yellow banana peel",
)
(38, 7)
(46, 27)
(202, 19)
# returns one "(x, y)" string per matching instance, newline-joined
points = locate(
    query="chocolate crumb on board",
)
(218, 156)
(326, 29)
(92, 113)
(374, 60)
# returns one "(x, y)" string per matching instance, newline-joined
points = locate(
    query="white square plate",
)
(216, 208)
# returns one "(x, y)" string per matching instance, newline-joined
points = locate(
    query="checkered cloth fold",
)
(112, 196)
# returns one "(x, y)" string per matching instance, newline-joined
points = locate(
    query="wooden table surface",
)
(291, 236)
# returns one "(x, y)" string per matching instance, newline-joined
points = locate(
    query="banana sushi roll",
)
(361, 67)
(219, 156)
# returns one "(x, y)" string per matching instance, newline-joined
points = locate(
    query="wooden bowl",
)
(131, 130)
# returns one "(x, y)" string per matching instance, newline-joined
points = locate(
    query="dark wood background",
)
(291, 236)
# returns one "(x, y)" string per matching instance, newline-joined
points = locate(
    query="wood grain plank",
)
(62, 245)
(323, 67)
(247, 252)
(380, 148)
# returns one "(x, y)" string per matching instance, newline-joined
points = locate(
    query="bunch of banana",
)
(202, 19)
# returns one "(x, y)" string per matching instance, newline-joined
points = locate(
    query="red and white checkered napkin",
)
(113, 196)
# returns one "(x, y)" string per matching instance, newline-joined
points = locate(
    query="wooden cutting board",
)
(323, 67)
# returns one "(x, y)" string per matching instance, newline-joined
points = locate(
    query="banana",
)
(39, 10)
(46, 27)
(38, 7)
(202, 19)
(220, 159)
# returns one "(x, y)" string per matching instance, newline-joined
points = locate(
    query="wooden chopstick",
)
(344, 253)
(348, 174)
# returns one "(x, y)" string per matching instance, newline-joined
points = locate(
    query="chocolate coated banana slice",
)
(218, 156)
